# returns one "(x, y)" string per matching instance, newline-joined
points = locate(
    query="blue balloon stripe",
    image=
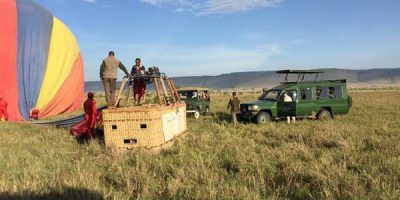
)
(34, 32)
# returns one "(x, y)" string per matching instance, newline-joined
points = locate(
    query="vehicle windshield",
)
(271, 95)
(188, 94)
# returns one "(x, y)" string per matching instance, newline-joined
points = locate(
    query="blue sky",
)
(211, 37)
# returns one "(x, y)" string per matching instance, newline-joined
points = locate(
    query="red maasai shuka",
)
(139, 88)
(3, 109)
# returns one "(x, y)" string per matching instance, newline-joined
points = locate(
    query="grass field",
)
(355, 156)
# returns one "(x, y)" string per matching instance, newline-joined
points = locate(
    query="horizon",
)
(270, 71)
(241, 36)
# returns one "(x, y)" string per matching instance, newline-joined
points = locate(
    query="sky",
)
(212, 37)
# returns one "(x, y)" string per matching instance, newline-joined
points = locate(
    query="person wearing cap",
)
(234, 106)
(3, 109)
(108, 74)
(90, 113)
(35, 114)
(139, 84)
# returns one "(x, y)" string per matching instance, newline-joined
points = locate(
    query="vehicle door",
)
(193, 100)
(285, 107)
(305, 103)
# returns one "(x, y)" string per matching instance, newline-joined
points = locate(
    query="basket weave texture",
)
(143, 126)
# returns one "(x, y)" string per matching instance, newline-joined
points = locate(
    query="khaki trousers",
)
(110, 85)
(234, 118)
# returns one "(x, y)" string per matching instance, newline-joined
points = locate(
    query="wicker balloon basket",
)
(143, 126)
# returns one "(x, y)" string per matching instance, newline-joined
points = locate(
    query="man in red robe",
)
(139, 85)
(35, 114)
(3, 109)
(90, 113)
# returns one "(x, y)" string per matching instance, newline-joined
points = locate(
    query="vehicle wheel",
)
(197, 114)
(263, 118)
(324, 115)
(350, 101)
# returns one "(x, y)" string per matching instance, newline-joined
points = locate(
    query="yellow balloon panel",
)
(63, 52)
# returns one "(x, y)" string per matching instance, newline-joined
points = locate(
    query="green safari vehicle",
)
(300, 99)
(197, 100)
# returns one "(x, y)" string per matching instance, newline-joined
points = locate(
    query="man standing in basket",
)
(108, 74)
(139, 84)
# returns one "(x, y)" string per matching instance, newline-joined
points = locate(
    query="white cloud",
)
(230, 6)
(179, 3)
(214, 7)
(90, 1)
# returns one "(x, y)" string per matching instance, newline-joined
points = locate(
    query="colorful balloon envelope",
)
(40, 62)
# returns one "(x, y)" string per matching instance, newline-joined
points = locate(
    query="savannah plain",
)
(354, 156)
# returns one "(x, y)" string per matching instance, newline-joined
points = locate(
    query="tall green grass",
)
(355, 156)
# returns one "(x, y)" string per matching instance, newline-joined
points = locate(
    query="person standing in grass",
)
(3, 109)
(108, 74)
(90, 113)
(234, 106)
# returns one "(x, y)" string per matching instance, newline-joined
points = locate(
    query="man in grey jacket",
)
(108, 74)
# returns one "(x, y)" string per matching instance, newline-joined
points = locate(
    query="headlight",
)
(254, 107)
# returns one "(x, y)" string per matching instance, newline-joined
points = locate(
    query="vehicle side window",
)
(182, 94)
(318, 93)
(292, 94)
(332, 92)
(288, 96)
(305, 94)
(194, 95)
(338, 92)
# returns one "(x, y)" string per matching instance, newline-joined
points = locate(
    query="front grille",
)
(244, 108)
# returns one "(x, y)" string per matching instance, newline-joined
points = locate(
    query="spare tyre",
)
(350, 101)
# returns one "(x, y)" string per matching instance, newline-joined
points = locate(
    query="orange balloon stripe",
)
(70, 96)
(80, 89)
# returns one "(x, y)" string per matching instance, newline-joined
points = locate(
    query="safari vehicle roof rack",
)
(193, 88)
(301, 74)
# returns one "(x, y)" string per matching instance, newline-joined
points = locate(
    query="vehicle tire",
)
(350, 101)
(263, 118)
(324, 115)
(196, 114)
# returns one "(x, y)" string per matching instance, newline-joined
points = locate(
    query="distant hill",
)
(261, 79)
(386, 76)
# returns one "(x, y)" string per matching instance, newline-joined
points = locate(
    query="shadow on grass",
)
(99, 135)
(223, 116)
(58, 194)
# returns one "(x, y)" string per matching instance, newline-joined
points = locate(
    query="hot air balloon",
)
(41, 66)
